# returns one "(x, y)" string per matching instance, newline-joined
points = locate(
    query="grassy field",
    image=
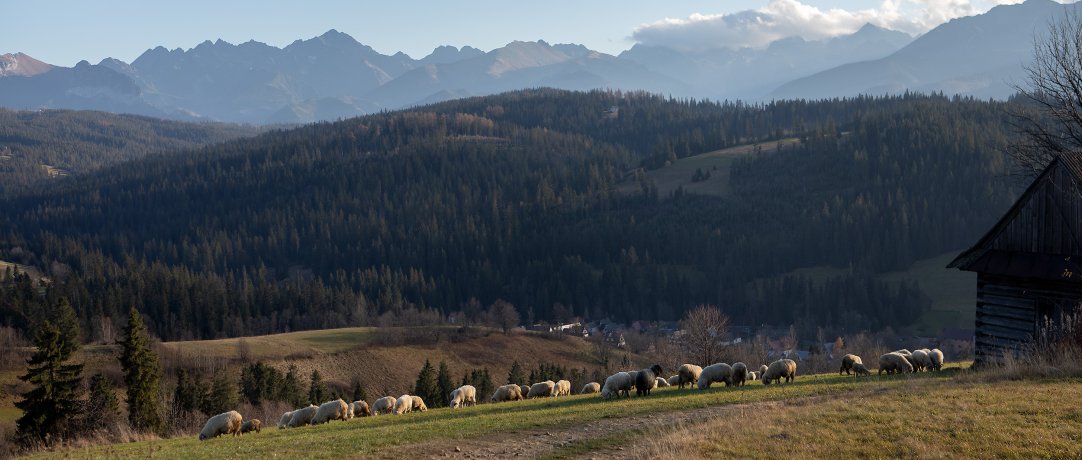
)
(278, 346)
(717, 163)
(919, 415)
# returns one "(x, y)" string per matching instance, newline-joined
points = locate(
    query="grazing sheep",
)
(935, 357)
(465, 395)
(740, 374)
(419, 404)
(591, 388)
(646, 380)
(283, 421)
(847, 363)
(661, 382)
(302, 416)
(403, 405)
(359, 409)
(251, 425)
(384, 405)
(780, 369)
(920, 360)
(563, 388)
(859, 369)
(331, 410)
(762, 370)
(674, 380)
(894, 362)
(717, 372)
(753, 375)
(689, 374)
(509, 392)
(525, 390)
(224, 423)
(620, 382)
(544, 389)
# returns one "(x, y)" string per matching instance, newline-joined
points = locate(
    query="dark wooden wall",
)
(1011, 312)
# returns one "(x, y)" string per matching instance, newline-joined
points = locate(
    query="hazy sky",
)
(63, 32)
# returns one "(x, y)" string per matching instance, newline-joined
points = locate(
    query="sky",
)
(63, 32)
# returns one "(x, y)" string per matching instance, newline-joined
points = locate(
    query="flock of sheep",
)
(620, 383)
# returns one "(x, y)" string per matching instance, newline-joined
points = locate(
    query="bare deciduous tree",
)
(705, 330)
(1050, 115)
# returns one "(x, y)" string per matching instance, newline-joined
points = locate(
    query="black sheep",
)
(647, 380)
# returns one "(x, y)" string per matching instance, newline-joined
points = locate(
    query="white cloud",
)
(788, 18)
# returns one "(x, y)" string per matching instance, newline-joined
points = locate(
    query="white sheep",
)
(302, 416)
(591, 388)
(403, 405)
(359, 409)
(762, 370)
(740, 374)
(847, 363)
(620, 382)
(689, 374)
(894, 362)
(674, 380)
(509, 392)
(224, 423)
(563, 388)
(384, 405)
(753, 375)
(661, 382)
(542, 389)
(920, 360)
(778, 370)
(331, 410)
(465, 395)
(418, 404)
(283, 421)
(717, 372)
(935, 357)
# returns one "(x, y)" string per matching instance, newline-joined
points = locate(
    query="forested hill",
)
(36, 146)
(512, 197)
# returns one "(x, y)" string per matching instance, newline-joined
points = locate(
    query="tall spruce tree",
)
(358, 392)
(317, 390)
(142, 374)
(223, 393)
(292, 390)
(54, 401)
(426, 386)
(515, 376)
(445, 384)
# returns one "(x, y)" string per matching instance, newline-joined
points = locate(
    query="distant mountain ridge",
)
(334, 76)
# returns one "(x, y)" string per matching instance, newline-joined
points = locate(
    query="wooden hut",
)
(1029, 265)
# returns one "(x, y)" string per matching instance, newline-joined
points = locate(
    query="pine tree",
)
(445, 384)
(142, 374)
(187, 397)
(54, 401)
(292, 390)
(223, 394)
(358, 392)
(486, 387)
(103, 408)
(515, 376)
(317, 390)
(426, 384)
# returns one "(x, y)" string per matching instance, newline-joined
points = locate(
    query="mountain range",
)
(334, 76)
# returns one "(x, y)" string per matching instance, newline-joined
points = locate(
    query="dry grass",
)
(955, 420)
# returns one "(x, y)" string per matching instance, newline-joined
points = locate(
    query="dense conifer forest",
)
(451, 207)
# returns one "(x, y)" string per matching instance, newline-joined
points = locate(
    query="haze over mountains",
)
(334, 76)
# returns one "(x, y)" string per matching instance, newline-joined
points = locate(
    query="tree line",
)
(513, 198)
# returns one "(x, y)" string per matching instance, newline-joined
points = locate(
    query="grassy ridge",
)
(370, 436)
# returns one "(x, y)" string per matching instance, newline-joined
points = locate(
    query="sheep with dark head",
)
(847, 363)
(646, 380)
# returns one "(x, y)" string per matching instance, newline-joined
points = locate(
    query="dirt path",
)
(619, 433)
